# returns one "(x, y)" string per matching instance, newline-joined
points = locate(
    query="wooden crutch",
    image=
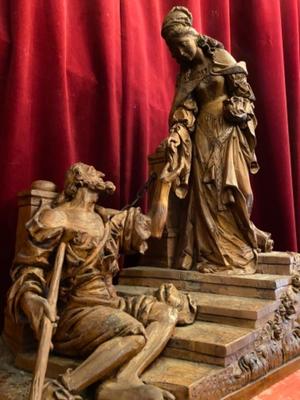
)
(41, 361)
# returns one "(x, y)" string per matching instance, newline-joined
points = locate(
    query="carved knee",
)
(139, 341)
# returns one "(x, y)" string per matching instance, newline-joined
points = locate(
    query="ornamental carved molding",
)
(277, 342)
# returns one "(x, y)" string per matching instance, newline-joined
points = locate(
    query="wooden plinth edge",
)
(263, 383)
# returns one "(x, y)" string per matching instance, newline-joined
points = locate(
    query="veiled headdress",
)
(178, 21)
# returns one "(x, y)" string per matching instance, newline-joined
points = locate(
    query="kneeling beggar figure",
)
(210, 152)
(117, 338)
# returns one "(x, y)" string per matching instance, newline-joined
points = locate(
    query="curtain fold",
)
(93, 81)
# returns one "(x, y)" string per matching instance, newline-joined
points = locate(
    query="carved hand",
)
(35, 308)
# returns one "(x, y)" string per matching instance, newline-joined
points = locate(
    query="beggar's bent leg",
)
(103, 361)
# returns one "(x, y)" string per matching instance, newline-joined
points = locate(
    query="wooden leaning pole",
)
(41, 361)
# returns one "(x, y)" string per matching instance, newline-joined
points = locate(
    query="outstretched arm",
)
(176, 172)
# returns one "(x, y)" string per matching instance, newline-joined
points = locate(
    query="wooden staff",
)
(41, 361)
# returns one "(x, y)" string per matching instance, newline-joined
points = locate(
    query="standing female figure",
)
(210, 152)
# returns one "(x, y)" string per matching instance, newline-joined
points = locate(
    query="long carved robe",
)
(209, 159)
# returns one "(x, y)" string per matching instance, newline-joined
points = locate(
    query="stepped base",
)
(209, 342)
(278, 263)
(245, 337)
(185, 379)
(243, 332)
(169, 375)
(263, 286)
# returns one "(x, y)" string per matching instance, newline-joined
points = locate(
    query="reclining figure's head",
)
(83, 175)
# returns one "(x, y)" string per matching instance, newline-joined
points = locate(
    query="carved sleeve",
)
(239, 110)
(239, 86)
(184, 115)
(179, 147)
(130, 230)
(32, 263)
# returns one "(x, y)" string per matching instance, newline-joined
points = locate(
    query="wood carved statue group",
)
(63, 274)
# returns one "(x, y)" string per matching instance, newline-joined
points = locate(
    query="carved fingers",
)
(35, 308)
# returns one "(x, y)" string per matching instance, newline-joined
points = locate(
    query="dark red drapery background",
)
(93, 81)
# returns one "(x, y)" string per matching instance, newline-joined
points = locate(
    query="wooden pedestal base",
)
(246, 336)
(15, 383)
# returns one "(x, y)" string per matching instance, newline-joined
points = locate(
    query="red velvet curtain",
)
(93, 81)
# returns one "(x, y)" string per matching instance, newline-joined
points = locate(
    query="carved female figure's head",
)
(179, 34)
(184, 42)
